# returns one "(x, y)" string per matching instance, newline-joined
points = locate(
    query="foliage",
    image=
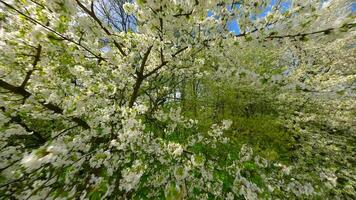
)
(169, 104)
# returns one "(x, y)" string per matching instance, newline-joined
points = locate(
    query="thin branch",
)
(62, 132)
(34, 64)
(140, 77)
(22, 177)
(179, 51)
(52, 30)
(183, 14)
(9, 165)
(42, 6)
(91, 13)
(156, 69)
(325, 31)
(144, 60)
(14, 89)
(19, 121)
(164, 63)
(50, 106)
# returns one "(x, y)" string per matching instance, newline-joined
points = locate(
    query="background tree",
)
(112, 13)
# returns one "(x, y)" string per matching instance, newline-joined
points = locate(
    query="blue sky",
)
(234, 27)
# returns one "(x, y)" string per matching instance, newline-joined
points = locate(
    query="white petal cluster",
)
(175, 149)
(131, 176)
(31, 161)
(129, 8)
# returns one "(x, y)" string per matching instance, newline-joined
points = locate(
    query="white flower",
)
(226, 124)
(172, 191)
(9, 1)
(57, 149)
(141, 108)
(178, 151)
(131, 176)
(175, 149)
(197, 160)
(131, 180)
(2, 43)
(113, 143)
(326, 4)
(175, 114)
(159, 180)
(37, 32)
(230, 196)
(180, 172)
(245, 153)
(129, 8)
(286, 170)
(31, 161)
(330, 177)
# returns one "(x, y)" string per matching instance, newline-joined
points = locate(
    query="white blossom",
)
(129, 8)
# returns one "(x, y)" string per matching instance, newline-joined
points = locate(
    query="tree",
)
(112, 13)
(87, 108)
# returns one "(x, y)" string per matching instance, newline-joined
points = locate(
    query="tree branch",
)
(52, 30)
(91, 13)
(17, 119)
(164, 63)
(156, 69)
(14, 89)
(140, 77)
(325, 31)
(34, 64)
(179, 51)
(50, 106)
